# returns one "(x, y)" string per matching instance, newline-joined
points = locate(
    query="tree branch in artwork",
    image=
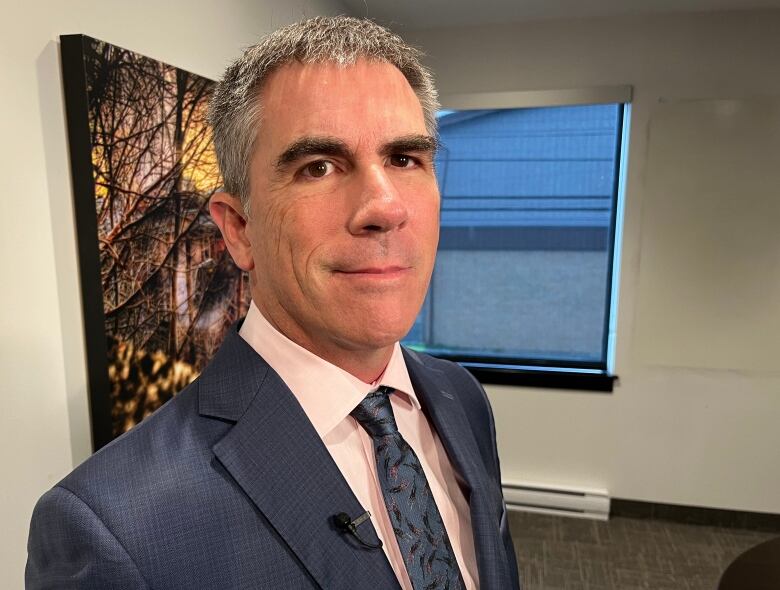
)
(170, 289)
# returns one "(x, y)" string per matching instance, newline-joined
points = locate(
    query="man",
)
(313, 451)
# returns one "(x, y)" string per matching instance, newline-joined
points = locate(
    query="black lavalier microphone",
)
(345, 523)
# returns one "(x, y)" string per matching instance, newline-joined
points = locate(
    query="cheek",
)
(300, 231)
(269, 234)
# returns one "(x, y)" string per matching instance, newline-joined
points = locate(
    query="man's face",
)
(344, 206)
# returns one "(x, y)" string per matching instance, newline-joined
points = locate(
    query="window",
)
(522, 291)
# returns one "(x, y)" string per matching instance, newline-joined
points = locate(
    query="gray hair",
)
(234, 110)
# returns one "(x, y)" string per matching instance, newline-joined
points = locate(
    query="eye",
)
(402, 161)
(318, 169)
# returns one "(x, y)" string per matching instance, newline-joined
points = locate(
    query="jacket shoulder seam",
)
(108, 529)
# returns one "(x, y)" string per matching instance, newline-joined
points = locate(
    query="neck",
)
(366, 367)
(367, 363)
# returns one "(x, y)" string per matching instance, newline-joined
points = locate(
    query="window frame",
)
(578, 375)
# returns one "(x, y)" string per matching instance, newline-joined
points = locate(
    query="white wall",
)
(44, 428)
(676, 434)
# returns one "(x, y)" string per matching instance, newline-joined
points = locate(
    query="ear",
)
(228, 214)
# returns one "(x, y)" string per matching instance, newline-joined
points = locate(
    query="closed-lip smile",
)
(374, 271)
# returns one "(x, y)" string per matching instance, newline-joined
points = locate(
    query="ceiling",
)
(424, 14)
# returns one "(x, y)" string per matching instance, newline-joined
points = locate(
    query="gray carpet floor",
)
(560, 553)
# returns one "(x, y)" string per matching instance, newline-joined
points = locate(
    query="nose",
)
(380, 206)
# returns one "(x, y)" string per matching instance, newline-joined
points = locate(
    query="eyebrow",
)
(411, 143)
(331, 146)
(310, 146)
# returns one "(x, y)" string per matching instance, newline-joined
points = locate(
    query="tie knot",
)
(375, 413)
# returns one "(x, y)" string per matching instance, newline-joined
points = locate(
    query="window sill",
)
(548, 378)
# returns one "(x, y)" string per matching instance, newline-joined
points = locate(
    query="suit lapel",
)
(440, 401)
(276, 456)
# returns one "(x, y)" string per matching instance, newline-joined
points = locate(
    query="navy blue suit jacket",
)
(228, 486)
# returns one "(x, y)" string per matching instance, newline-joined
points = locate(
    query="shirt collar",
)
(326, 392)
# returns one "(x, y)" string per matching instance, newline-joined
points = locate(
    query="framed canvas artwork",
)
(159, 288)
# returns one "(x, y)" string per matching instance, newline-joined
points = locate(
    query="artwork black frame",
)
(80, 151)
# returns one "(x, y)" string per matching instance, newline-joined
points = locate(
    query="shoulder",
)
(147, 460)
(68, 545)
(169, 454)
(89, 526)
(451, 370)
(465, 386)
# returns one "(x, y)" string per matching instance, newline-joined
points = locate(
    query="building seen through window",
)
(524, 269)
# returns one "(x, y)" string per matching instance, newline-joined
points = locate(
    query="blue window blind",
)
(524, 268)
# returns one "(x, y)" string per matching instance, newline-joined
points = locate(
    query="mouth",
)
(374, 272)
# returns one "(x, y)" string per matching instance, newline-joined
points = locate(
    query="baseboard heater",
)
(560, 500)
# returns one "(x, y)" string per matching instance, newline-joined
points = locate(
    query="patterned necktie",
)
(425, 546)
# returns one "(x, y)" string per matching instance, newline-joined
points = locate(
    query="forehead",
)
(353, 102)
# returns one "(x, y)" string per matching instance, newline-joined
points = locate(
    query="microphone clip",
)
(346, 524)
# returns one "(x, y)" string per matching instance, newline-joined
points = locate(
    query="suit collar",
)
(438, 399)
(276, 457)
(308, 375)
(232, 379)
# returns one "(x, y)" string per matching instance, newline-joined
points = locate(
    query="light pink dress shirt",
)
(328, 394)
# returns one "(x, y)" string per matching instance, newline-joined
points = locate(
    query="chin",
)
(375, 333)
(377, 339)
(374, 323)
